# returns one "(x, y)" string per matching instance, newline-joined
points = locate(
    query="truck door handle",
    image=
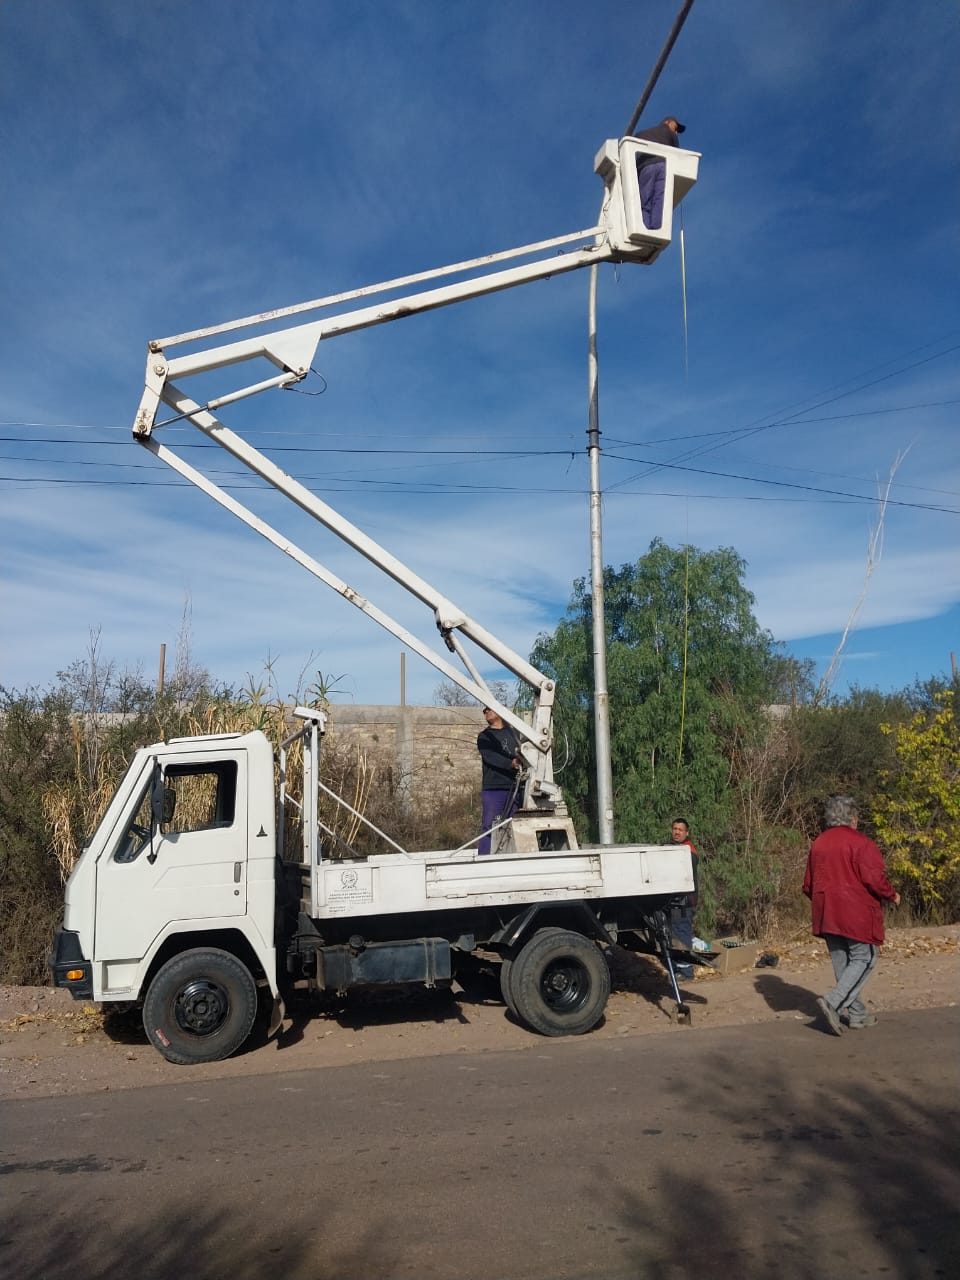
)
(237, 872)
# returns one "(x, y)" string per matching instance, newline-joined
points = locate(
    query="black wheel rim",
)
(564, 985)
(201, 1007)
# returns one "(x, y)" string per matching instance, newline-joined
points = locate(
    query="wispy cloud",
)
(150, 193)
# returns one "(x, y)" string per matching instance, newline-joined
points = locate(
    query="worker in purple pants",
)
(499, 749)
(652, 170)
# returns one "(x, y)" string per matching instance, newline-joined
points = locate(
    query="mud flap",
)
(277, 1016)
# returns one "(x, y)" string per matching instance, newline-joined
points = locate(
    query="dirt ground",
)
(50, 1044)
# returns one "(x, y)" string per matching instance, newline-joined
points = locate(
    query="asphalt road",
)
(774, 1150)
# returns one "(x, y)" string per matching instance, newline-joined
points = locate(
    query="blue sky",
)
(174, 165)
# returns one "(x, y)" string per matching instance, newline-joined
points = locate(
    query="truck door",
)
(193, 866)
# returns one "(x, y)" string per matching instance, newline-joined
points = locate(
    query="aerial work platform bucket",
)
(671, 170)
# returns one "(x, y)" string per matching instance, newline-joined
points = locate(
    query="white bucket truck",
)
(187, 899)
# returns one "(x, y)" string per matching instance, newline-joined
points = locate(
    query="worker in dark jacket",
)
(499, 749)
(846, 883)
(652, 170)
(681, 914)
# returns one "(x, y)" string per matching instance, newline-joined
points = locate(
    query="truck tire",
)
(506, 968)
(200, 1007)
(559, 982)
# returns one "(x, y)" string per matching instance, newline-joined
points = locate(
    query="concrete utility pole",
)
(601, 696)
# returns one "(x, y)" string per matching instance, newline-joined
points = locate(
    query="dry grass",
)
(73, 808)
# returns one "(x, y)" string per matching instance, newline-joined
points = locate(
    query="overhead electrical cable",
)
(467, 453)
(833, 417)
(789, 419)
(826, 497)
(787, 484)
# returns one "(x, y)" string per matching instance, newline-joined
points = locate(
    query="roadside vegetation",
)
(711, 720)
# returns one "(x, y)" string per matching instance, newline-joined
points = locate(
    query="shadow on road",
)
(185, 1239)
(829, 1181)
(784, 997)
(360, 1009)
(777, 1157)
(124, 1024)
(643, 975)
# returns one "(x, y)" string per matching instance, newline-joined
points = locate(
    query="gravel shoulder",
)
(50, 1044)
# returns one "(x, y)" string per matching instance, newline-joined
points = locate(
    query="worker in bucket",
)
(652, 170)
(499, 749)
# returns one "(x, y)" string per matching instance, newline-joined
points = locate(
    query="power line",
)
(719, 438)
(835, 417)
(788, 419)
(496, 453)
(787, 484)
(829, 497)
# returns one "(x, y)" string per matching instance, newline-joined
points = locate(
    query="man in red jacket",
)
(846, 884)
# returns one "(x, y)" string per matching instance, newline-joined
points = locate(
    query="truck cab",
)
(186, 845)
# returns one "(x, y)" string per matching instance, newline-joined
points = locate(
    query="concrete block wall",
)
(419, 751)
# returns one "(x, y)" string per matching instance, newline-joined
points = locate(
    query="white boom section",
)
(620, 236)
(541, 791)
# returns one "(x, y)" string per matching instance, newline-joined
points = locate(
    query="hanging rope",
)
(683, 289)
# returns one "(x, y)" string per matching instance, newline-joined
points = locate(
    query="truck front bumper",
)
(69, 967)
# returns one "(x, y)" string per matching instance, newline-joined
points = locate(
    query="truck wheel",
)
(559, 983)
(506, 968)
(200, 1007)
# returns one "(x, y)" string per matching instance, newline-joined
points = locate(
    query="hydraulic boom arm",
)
(290, 347)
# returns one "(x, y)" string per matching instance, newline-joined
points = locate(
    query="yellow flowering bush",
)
(917, 811)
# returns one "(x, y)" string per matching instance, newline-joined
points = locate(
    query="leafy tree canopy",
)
(688, 669)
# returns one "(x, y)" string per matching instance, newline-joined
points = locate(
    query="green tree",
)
(688, 670)
(917, 814)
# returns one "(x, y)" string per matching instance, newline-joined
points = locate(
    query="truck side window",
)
(136, 838)
(206, 796)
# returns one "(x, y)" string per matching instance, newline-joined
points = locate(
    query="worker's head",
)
(680, 831)
(674, 124)
(840, 811)
(492, 719)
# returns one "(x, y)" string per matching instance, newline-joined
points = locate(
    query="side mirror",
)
(169, 805)
(163, 799)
